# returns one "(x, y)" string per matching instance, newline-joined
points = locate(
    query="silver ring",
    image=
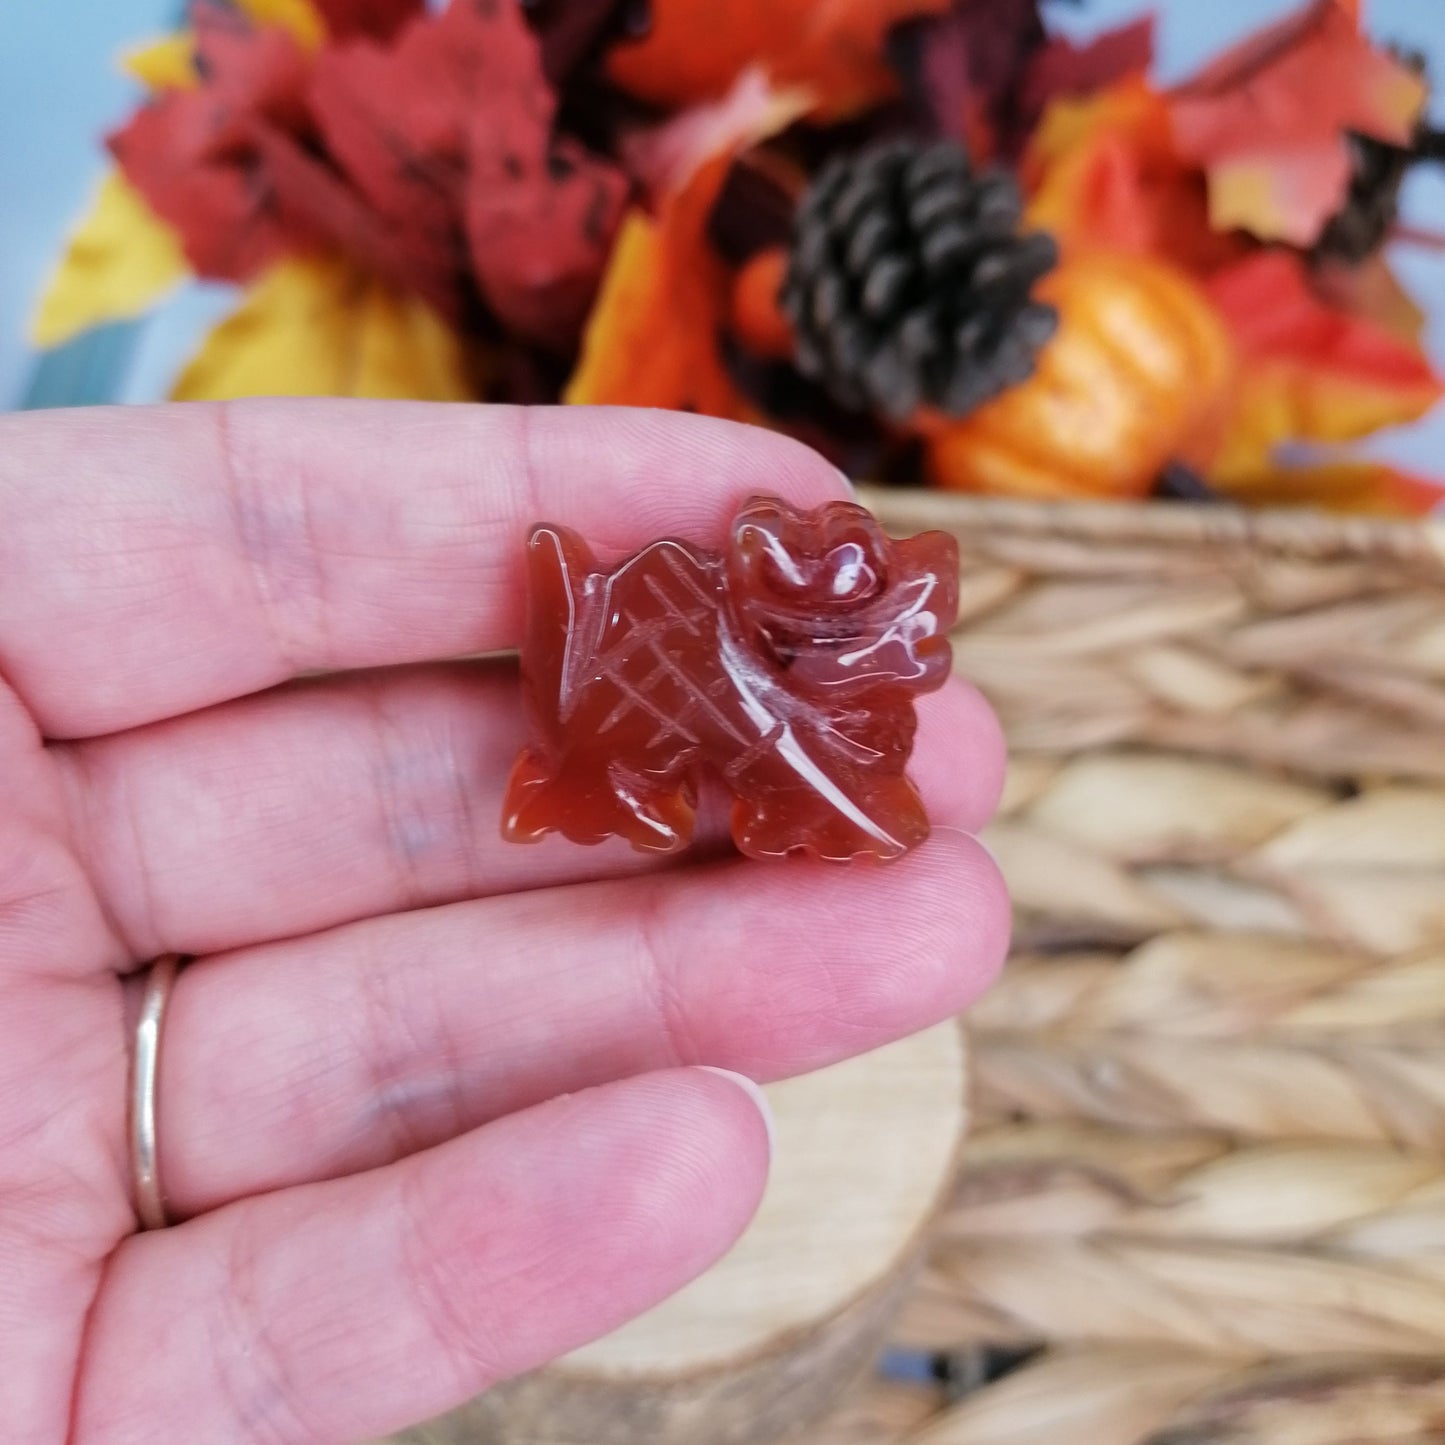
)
(150, 1197)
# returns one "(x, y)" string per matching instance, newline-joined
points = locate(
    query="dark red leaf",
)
(1063, 68)
(573, 31)
(379, 19)
(964, 72)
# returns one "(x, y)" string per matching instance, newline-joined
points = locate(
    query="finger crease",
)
(661, 985)
(280, 550)
(400, 824)
(431, 1275)
(90, 788)
(414, 1112)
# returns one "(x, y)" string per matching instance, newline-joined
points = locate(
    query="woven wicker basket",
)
(1206, 1199)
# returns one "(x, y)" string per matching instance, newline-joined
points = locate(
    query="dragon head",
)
(828, 597)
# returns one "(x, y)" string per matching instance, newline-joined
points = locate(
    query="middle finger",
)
(349, 797)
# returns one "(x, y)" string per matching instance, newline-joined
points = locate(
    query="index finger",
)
(155, 560)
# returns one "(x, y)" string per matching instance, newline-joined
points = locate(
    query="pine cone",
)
(909, 283)
(1362, 225)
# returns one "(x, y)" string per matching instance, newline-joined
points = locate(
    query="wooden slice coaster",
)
(767, 1338)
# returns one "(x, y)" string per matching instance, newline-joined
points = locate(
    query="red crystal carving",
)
(787, 665)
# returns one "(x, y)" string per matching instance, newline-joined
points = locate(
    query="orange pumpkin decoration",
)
(1138, 374)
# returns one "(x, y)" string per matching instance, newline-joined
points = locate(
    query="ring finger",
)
(319, 1057)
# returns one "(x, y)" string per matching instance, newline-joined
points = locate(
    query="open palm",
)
(388, 1204)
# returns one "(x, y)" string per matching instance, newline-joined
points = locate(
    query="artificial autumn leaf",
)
(1370, 289)
(653, 336)
(1063, 68)
(192, 152)
(300, 19)
(422, 253)
(120, 259)
(573, 31)
(664, 157)
(1268, 120)
(167, 63)
(696, 48)
(1309, 373)
(964, 72)
(320, 327)
(1351, 485)
(1102, 171)
(379, 19)
(431, 159)
(540, 237)
(448, 135)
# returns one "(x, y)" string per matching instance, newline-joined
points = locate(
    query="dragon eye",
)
(776, 567)
(850, 573)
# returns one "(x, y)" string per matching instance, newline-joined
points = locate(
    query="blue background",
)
(60, 89)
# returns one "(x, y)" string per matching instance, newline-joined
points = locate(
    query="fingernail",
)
(755, 1093)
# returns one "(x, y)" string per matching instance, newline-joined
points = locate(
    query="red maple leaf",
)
(193, 153)
(1268, 120)
(423, 147)
(449, 132)
(1309, 372)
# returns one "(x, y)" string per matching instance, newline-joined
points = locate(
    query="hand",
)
(386, 1204)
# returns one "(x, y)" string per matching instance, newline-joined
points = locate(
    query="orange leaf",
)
(1268, 120)
(1102, 171)
(1309, 372)
(664, 157)
(1351, 485)
(695, 48)
(652, 339)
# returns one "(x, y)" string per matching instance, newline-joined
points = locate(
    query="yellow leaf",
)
(120, 259)
(300, 17)
(169, 63)
(320, 327)
(165, 64)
